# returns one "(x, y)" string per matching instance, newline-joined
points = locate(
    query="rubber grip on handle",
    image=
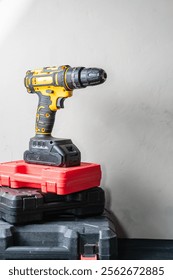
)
(45, 117)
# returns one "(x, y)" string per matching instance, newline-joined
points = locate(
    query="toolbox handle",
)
(24, 178)
(24, 251)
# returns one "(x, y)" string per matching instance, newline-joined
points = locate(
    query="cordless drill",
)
(53, 85)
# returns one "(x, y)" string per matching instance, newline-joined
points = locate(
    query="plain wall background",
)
(126, 124)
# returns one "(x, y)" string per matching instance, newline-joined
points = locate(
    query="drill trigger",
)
(60, 102)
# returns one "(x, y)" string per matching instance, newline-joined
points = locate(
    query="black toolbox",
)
(67, 238)
(18, 206)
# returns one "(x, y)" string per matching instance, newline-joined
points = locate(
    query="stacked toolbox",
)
(39, 224)
(50, 179)
(21, 206)
(64, 238)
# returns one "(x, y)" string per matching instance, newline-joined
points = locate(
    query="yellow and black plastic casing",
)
(53, 85)
(51, 95)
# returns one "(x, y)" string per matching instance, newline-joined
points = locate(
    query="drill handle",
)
(45, 117)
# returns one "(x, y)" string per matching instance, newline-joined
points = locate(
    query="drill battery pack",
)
(50, 179)
(18, 206)
(92, 238)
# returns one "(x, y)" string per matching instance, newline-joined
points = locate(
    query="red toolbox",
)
(59, 180)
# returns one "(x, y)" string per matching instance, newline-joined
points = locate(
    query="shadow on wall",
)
(120, 229)
(138, 210)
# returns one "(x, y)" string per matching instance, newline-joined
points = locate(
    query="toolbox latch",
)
(89, 253)
(29, 203)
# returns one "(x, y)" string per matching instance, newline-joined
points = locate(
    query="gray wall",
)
(126, 124)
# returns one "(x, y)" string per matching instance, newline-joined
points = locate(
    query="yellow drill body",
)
(53, 85)
(44, 82)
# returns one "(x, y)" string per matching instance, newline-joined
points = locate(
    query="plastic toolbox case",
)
(59, 180)
(70, 238)
(29, 205)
